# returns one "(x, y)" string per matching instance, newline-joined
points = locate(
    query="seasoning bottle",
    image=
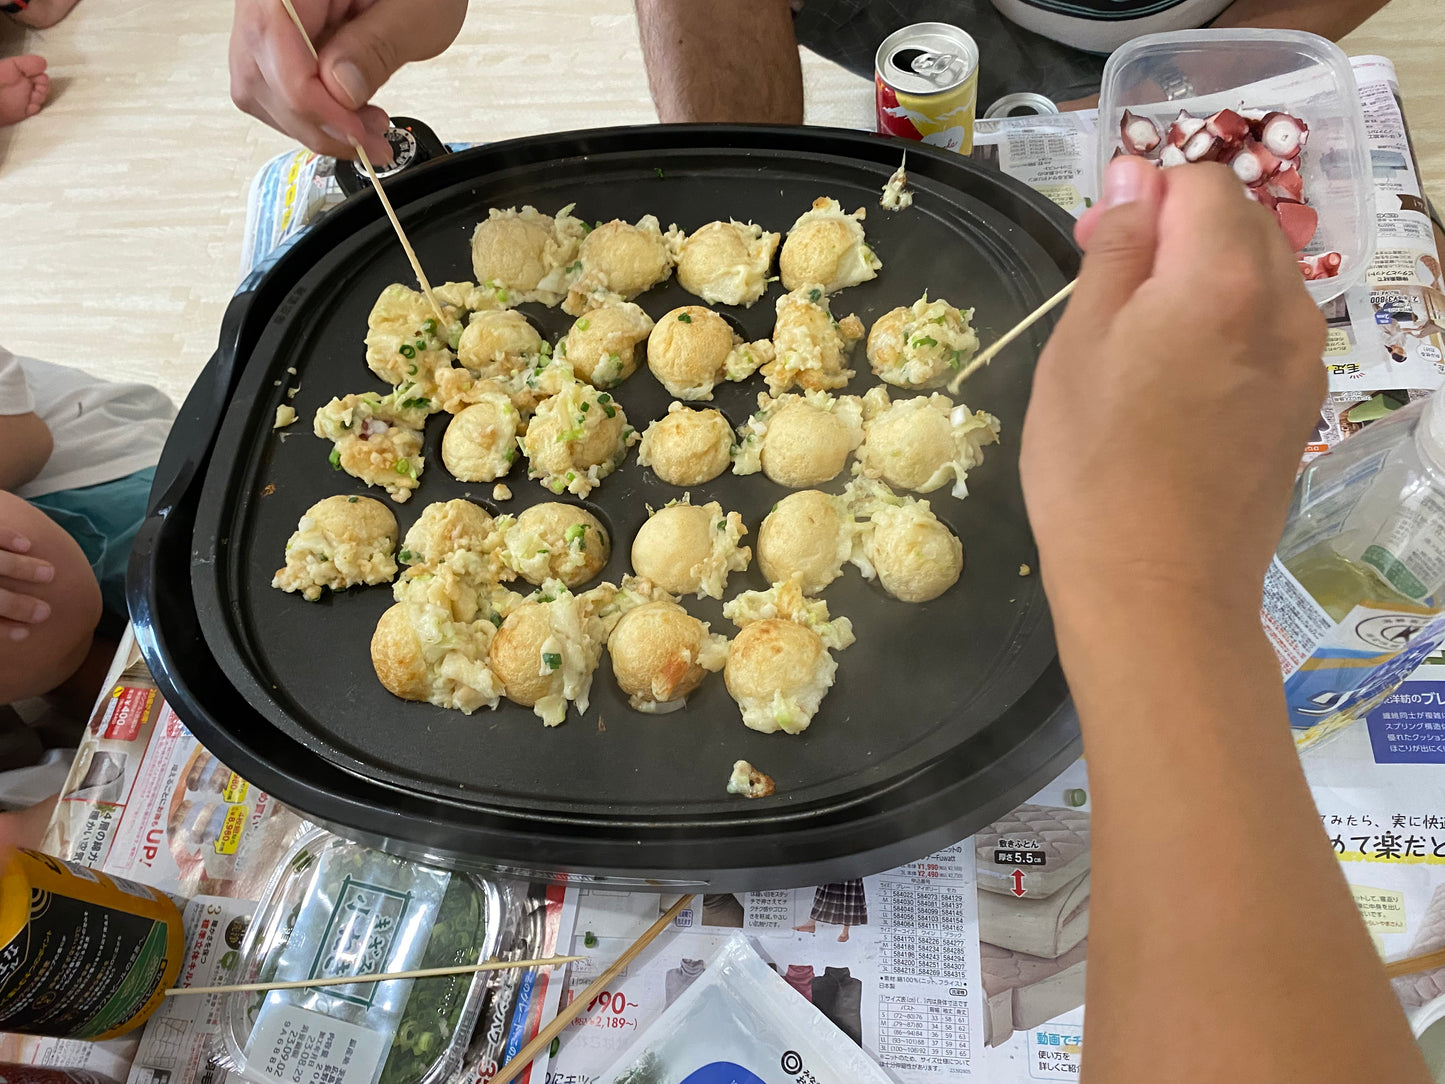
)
(82, 955)
(1353, 599)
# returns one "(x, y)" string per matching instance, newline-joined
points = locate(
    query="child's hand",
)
(18, 610)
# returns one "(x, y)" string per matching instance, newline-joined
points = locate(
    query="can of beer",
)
(926, 82)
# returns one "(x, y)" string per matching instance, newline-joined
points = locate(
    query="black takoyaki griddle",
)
(943, 715)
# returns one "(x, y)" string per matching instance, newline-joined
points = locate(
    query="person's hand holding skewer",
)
(324, 101)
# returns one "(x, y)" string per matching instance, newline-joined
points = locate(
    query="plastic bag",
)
(740, 1023)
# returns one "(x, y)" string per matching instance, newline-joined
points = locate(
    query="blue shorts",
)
(104, 520)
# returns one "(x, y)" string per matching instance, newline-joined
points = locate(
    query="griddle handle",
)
(193, 435)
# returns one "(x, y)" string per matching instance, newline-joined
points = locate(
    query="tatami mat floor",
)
(122, 204)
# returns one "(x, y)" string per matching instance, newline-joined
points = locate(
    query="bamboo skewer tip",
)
(376, 184)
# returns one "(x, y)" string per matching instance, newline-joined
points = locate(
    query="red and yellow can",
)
(926, 82)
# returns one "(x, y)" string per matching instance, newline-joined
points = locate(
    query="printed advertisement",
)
(179, 1039)
(890, 960)
(143, 800)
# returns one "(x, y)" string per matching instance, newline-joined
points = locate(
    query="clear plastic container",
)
(337, 908)
(1301, 74)
(1354, 600)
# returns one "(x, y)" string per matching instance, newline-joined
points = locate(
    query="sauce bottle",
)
(1353, 599)
(82, 955)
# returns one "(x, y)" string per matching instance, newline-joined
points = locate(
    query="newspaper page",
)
(179, 1040)
(145, 801)
(892, 960)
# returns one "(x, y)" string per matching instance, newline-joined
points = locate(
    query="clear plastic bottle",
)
(1353, 599)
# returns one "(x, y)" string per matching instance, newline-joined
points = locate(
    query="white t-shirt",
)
(102, 431)
(1101, 26)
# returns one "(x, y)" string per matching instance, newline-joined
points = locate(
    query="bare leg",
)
(844, 935)
(58, 646)
(23, 88)
(808, 927)
(42, 14)
(722, 60)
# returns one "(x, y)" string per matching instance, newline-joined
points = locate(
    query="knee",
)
(56, 646)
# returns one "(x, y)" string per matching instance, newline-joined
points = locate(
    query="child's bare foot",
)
(23, 87)
(43, 14)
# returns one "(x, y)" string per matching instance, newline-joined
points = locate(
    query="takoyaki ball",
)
(480, 442)
(557, 541)
(618, 260)
(692, 349)
(660, 653)
(810, 347)
(921, 345)
(577, 437)
(495, 344)
(602, 345)
(778, 672)
(807, 535)
(340, 542)
(726, 263)
(827, 247)
(686, 447)
(689, 549)
(522, 256)
(917, 558)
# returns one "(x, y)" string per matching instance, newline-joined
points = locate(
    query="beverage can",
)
(926, 83)
(82, 955)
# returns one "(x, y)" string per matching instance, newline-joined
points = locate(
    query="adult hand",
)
(323, 101)
(19, 610)
(1172, 404)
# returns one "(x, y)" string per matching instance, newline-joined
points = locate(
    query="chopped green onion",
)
(335, 458)
(571, 477)
(924, 340)
(722, 525)
(405, 556)
(955, 360)
(411, 370)
(421, 345)
(604, 398)
(403, 466)
(610, 410)
(511, 455)
(583, 324)
(586, 407)
(497, 620)
(814, 294)
(575, 532)
(939, 319)
(658, 171)
(350, 500)
(407, 350)
(546, 349)
(684, 318)
(575, 265)
(430, 326)
(552, 659)
(590, 939)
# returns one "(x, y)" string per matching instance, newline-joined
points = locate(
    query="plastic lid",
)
(337, 908)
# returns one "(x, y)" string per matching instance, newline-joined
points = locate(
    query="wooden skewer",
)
(376, 184)
(581, 1001)
(348, 980)
(1022, 326)
(1427, 961)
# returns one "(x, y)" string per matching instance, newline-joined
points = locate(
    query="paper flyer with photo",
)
(890, 960)
(177, 1042)
(145, 801)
